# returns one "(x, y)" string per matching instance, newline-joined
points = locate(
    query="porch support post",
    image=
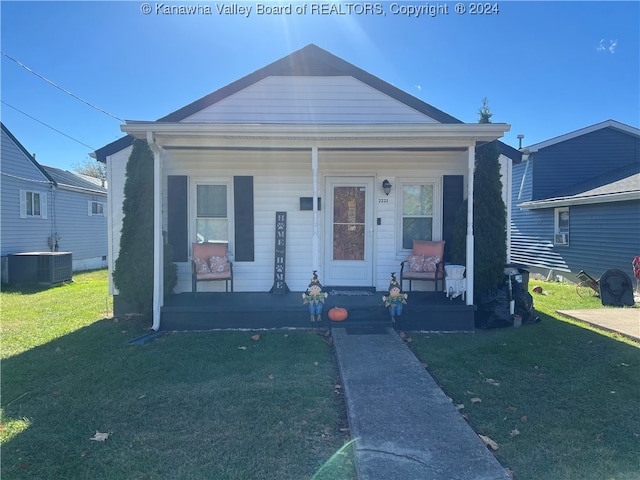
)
(315, 244)
(470, 239)
(158, 264)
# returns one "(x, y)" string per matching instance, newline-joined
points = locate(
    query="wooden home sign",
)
(279, 283)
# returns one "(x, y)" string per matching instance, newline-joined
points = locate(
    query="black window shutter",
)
(243, 218)
(452, 199)
(177, 213)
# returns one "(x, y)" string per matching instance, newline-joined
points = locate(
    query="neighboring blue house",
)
(576, 202)
(45, 209)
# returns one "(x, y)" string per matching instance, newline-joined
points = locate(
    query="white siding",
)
(310, 100)
(280, 179)
(116, 173)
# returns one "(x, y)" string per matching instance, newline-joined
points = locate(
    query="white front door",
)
(349, 232)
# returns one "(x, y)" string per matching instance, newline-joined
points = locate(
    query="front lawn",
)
(184, 406)
(559, 399)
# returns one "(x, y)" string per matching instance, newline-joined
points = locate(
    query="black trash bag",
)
(524, 304)
(493, 311)
(616, 289)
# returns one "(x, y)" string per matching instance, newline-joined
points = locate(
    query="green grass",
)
(561, 400)
(184, 406)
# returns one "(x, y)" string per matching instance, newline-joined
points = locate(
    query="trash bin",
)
(519, 273)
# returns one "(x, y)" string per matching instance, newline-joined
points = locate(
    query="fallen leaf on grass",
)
(624, 365)
(316, 363)
(100, 436)
(255, 338)
(460, 406)
(476, 400)
(488, 442)
(514, 432)
(242, 348)
(491, 381)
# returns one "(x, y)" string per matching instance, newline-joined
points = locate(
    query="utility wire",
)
(48, 126)
(59, 87)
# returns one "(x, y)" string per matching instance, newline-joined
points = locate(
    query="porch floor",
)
(425, 311)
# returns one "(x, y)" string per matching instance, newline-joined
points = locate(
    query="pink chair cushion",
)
(428, 249)
(208, 250)
(432, 254)
(211, 261)
(213, 276)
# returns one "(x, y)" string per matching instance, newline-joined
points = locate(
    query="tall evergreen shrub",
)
(133, 273)
(489, 219)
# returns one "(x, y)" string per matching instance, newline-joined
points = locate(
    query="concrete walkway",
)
(405, 427)
(625, 321)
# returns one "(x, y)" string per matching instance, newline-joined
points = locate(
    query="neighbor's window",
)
(417, 213)
(561, 228)
(96, 209)
(33, 204)
(212, 224)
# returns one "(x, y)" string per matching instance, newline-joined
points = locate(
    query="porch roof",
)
(216, 135)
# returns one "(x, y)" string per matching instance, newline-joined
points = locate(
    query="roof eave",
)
(472, 132)
(581, 200)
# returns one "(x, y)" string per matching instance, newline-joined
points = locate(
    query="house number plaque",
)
(279, 284)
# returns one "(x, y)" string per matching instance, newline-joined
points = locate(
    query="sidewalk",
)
(625, 321)
(405, 427)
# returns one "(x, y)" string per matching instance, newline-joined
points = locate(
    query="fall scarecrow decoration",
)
(394, 301)
(314, 297)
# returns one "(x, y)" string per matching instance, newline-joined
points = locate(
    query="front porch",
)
(425, 311)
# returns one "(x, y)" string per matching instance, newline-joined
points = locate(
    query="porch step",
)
(245, 310)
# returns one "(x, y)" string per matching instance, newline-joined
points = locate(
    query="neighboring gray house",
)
(46, 209)
(576, 202)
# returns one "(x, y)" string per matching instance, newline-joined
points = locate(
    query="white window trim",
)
(560, 237)
(437, 208)
(193, 205)
(104, 208)
(23, 204)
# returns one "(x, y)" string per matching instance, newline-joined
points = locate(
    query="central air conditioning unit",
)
(562, 239)
(44, 268)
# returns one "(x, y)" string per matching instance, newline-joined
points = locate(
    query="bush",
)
(489, 220)
(133, 273)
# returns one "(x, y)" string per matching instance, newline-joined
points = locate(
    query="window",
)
(418, 213)
(561, 226)
(96, 209)
(33, 204)
(212, 223)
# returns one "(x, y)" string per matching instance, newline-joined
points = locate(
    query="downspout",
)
(470, 239)
(315, 240)
(158, 274)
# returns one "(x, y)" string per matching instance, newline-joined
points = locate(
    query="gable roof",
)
(583, 131)
(75, 181)
(29, 156)
(614, 186)
(308, 61)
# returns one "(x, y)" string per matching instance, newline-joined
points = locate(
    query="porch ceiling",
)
(203, 135)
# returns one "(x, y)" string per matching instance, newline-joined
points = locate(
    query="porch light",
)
(386, 186)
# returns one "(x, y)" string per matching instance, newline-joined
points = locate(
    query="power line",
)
(48, 126)
(59, 87)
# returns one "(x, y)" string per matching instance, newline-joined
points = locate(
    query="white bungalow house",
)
(316, 137)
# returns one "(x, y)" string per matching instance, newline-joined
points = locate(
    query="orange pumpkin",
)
(338, 314)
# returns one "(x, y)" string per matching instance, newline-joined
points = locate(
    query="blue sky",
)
(547, 68)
